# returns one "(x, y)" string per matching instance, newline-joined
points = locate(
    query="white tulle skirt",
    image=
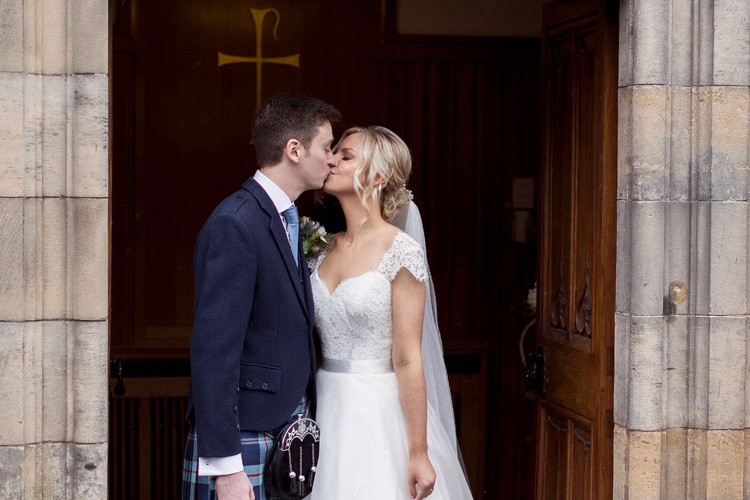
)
(364, 442)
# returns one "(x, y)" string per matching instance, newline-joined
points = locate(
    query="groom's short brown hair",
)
(288, 116)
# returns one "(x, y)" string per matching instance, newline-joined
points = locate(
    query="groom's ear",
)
(293, 150)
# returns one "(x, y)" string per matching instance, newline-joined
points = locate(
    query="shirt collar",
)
(279, 198)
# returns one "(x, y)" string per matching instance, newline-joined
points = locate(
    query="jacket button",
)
(264, 386)
(235, 409)
(249, 384)
(238, 428)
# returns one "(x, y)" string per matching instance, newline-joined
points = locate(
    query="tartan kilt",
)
(255, 449)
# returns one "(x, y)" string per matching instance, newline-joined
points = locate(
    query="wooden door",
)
(577, 251)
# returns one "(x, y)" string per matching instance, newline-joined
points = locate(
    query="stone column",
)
(54, 246)
(682, 386)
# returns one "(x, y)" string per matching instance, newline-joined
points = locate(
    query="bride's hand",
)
(421, 477)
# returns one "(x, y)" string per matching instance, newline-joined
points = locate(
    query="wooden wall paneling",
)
(148, 432)
(467, 221)
(431, 201)
(415, 133)
(123, 130)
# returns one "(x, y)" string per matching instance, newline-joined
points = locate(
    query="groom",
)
(252, 355)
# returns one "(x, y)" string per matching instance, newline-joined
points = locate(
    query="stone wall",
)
(54, 237)
(682, 391)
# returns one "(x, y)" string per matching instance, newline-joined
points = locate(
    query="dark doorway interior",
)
(466, 105)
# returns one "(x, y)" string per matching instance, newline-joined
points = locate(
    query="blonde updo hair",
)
(383, 154)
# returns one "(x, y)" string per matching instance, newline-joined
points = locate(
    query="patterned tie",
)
(292, 221)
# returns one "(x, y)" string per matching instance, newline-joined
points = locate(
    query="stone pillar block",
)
(647, 258)
(11, 257)
(697, 460)
(11, 130)
(727, 374)
(33, 134)
(676, 372)
(620, 463)
(703, 40)
(52, 52)
(649, 153)
(726, 457)
(88, 471)
(624, 257)
(682, 43)
(88, 244)
(11, 383)
(90, 372)
(622, 370)
(651, 47)
(747, 376)
(624, 142)
(33, 350)
(626, 44)
(53, 480)
(55, 378)
(11, 37)
(89, 175)
(678, 225)
(33, 273)
(730, 139)
(52, 239)
(699, 369)
(89, 41)
(53, 135)
(674, 456)
(644, 465)
(700, 282)
(728, 263)
(646, 377)
(681, 144)
(731, 42)
(33, 471)
(11, 472)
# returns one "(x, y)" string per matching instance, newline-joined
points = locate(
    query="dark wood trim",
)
(393, 46)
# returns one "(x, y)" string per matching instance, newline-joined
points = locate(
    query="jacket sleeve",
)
(225, 273)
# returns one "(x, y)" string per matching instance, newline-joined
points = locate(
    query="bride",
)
(384, 406)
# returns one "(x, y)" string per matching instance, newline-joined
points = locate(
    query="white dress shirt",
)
(222, 466)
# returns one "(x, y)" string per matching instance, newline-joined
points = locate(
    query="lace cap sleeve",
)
(313, 261)
(404, 253)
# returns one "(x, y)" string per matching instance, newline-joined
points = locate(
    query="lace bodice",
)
(356, 321)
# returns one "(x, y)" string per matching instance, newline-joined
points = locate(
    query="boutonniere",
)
(314, 236)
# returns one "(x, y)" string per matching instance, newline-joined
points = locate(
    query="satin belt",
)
(357, 365)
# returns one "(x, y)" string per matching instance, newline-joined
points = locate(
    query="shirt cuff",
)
(220, 466)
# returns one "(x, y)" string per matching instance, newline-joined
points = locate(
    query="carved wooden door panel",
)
(577, 254)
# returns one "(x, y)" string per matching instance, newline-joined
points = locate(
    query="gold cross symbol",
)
(258, 16)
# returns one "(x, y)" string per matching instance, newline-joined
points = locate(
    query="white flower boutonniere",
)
(314, 236)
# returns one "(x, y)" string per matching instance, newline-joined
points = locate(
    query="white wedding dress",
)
(364, 438)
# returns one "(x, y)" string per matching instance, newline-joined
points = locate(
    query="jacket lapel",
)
(278, 234)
